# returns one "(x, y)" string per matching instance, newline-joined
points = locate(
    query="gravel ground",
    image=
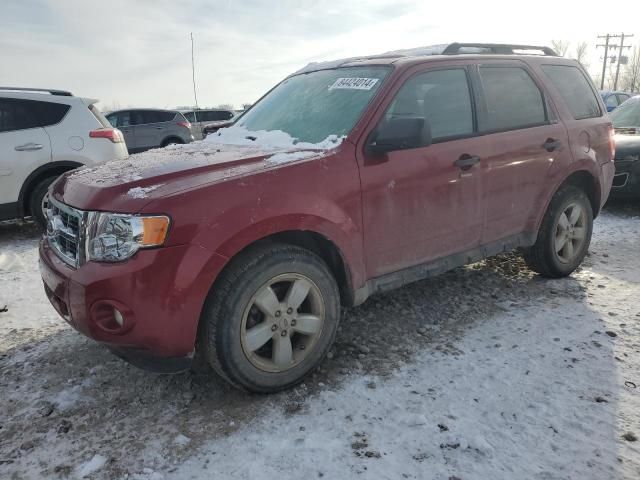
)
(467, 338)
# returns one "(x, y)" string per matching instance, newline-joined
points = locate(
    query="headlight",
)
(113, 237)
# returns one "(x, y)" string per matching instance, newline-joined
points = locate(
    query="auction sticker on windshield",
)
(354, 83)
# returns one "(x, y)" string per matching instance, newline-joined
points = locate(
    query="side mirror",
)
(398, 134)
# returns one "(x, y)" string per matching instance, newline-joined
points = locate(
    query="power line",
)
(607, 45)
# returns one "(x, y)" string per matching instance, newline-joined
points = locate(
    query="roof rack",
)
(495, 48)
(61, 93)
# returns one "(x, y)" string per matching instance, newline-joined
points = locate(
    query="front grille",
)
(64, 224)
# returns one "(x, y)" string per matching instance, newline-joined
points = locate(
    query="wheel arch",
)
(168, 139)
(48, 170)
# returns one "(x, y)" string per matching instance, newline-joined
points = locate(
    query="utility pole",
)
(604, 63)
(607, 45)
(615, 83)
(193, 77)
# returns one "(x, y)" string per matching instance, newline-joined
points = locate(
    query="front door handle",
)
(28, 147)
(551, 144)
(466, 161)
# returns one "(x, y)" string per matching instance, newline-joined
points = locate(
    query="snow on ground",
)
(487, 372)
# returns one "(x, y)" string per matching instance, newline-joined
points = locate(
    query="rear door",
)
(151, 127)
(24, 144)
(525, 139)
(418, 205)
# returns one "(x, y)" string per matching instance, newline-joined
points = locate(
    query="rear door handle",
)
(28, 147)
(551, 144)
(466, 161)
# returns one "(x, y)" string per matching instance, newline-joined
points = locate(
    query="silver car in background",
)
(145, 128)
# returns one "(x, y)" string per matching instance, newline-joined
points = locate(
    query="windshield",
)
(313, 106)
(627, 114)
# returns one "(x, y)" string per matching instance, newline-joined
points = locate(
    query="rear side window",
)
(513, 99)
(574, 89)
(442, 98)
(18, 114)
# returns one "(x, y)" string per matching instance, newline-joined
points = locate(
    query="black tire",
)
(221, 335)
(35, 201)
(172, 141)
(542, 256)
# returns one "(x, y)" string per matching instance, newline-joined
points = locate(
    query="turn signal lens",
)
(154, 231)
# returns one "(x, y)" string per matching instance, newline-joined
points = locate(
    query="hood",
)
(627, 146)
(126, 186)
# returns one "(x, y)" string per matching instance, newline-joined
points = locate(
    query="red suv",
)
(346, 179)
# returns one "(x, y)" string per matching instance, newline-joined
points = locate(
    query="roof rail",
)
(61, 93)
(496, 48)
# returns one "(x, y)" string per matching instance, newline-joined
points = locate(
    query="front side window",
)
(312, 106)
(442, 98)
(622, 98)
(574, 89)
(513, 99)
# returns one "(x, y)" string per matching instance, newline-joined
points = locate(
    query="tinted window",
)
(574, 89)
(120, 119)
(513, 99)
(22, 114)
(191, 116)
(441, 97)
(611, 101)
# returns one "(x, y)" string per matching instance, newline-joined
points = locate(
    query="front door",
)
(425, 203)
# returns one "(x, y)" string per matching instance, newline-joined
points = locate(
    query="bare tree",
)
(225, 106)
(245, 106)
(560, 46)
(581, 54)
(631, 77)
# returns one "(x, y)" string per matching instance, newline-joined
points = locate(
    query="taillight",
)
(612, 141)
(112, 134)
(184, 124)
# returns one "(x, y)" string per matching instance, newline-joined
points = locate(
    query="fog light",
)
(118, 317)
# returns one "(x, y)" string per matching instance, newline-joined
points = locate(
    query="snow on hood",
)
(227, 146)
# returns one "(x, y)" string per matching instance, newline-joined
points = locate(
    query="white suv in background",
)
(44, 133)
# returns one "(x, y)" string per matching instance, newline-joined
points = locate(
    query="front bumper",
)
(159, 292)
(626, 181)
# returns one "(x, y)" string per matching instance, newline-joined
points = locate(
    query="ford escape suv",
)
(44, 133)
(347, 179)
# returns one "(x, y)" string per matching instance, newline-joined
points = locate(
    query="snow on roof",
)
(393, 54)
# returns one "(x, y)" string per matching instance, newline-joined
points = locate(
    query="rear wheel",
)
(271, 318)
(38, 202)
(564, 236)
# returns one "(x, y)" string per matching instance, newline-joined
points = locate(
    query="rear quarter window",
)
(575, 90)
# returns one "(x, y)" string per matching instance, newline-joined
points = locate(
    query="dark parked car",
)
(145, 128)
(613, 99)
(345, 180)
(626, 121)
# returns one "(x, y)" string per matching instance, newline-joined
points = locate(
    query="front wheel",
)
(271, 318)
(564, 236)
(39, 200)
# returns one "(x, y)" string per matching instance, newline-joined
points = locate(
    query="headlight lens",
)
(115, 237)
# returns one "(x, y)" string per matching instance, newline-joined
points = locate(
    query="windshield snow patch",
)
(276, 139)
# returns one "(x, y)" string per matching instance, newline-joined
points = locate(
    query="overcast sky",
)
(138, 53)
